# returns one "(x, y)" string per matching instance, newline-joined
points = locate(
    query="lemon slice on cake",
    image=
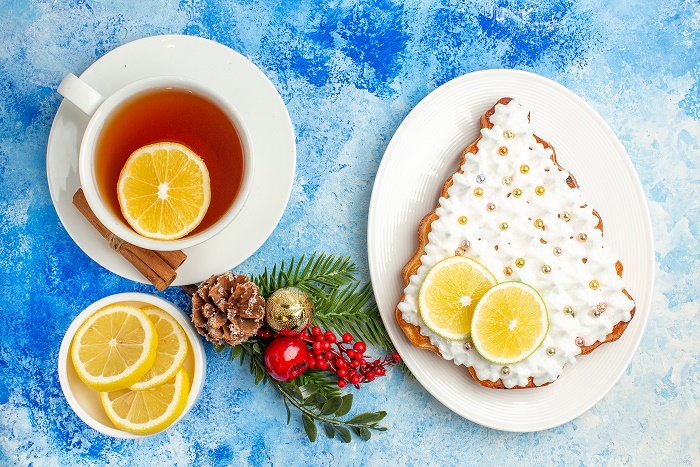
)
(449, 294)
(164, 190)
(114, 347)
(510, 322)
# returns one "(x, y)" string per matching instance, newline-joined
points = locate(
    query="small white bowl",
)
(85, 401)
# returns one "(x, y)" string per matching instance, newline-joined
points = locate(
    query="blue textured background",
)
(349, 74)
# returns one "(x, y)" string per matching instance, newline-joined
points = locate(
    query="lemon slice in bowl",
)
(151, 410)
(164, 190)
(114, 347)
(510, 322)
(170, 352)
(449, 293)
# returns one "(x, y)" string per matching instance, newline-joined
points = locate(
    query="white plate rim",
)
(256, 99)
(509, 82)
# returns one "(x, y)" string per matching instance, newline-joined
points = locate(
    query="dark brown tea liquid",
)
(177, 116)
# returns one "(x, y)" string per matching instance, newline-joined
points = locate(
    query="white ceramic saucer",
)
(234, 77)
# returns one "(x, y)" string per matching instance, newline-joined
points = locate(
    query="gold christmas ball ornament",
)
(289, 311)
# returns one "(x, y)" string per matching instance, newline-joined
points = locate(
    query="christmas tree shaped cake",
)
(512, 277)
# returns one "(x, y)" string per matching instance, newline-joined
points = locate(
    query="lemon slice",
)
(151, 410)
(114, 347)
(171, 350)
(510, 322)
(164, 190)
(449, 293)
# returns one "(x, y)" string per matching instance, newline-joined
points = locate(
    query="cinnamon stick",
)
(159, 267)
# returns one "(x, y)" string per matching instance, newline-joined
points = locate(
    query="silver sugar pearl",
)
(480, 178)
(505, 370)
(596, 313)
(467, 346)
(507, 181)
(466, 244)
(490, 207)
(557, 251)
(551, 350)
(508, 134)
(579, 341)
(602, 306)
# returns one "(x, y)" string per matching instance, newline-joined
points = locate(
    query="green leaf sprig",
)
(318, 401)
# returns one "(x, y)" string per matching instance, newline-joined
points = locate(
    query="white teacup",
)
(100, 108)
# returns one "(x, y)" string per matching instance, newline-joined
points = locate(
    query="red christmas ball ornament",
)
(286, 358)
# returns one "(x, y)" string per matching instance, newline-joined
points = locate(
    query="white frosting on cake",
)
(568, 284)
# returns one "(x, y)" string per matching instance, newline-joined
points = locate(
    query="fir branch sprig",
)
(314, 275)
(309, 398)
(352, 308)
(341, 302)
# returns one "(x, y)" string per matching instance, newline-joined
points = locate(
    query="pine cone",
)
(226, 309)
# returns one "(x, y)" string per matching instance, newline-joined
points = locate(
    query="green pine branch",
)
(314, 275)
(341, 302)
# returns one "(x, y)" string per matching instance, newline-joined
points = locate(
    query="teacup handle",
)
(80, 93)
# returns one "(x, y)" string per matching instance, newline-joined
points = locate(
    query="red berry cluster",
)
(347, 360)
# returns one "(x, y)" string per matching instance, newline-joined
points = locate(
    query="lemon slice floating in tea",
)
(114, 347)
(151, 410)
(171, 350)
(449, 293)
(510, 322)
(164, 190)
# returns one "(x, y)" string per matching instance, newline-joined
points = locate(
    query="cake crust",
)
(412, 331)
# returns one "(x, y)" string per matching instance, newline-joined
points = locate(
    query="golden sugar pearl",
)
(566, 216)
(557, 251)
(502, 151)
(582, 237)
(539, 223)
(517, 192)
(508, 134)
(507, 270)
(503, 226)
(462, 220)
(524, 169)
(551, 351)
(463, 247)
(520, 262)
(546, 269)
(594, 284)
(569, 310)
(478, 191)
(507, 181)
(539, 191)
